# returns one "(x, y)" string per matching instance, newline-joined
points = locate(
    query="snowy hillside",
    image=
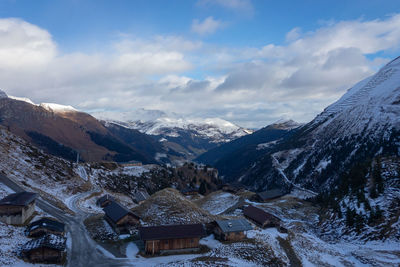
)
(361, 125)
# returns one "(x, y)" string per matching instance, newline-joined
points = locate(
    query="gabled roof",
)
(116, 211)
(239, 225)
(258, 215)
(103, 199)
(19, 199)
(49, 241)
(141, 195)
(270, 194)
(46, 223)
(171, 231)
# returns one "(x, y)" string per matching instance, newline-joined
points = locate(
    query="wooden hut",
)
(121, 219)
(189, 191)
(104, 201)
(45, 226)
(46, 249)
(171, 238)
(231, 230)
(268, 195)
(261, 217)
(17, 208)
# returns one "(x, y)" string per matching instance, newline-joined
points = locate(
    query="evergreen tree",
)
(202, 189)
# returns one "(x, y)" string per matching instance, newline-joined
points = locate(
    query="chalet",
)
(45, 226)
(104, 201)
(233, 187)
(46, 249)
(188, 191)
(268, 195)
(231, 230)
(17, 208)
(261, 217)
(171, 238)
(140, 196)
(121, 219)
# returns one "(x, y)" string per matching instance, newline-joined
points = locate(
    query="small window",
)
(192, 241)
(166, 242)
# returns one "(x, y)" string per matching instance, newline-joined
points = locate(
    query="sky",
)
(250, 62)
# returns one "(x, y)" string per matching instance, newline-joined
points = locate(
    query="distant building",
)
(231, 230)
(17, 208)
(104, 201)
(130, 163)
(46, 249)
(261, 217)
(140, 196)
(268, 195)
(121, 219)
(189, 191)
(169, 238)
(45, 226)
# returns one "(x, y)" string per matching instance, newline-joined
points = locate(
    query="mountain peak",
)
(286, 124)
(3, 94)
(57, 108)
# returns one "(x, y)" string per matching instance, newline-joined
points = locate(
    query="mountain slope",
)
(362, 124)
(64, 131)
(233, 157)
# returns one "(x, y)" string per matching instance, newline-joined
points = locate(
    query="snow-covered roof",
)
(48, 241)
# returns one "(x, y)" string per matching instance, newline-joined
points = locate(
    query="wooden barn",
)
(104, 201)
(46, 249)
(17, 208)
(231, 230)
(261, 217)
(268, 195)
(171, 238)
(140, 196)
(45, 226)
(189, 191)
(121, 219)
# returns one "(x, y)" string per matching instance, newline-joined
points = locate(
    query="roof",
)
(46, 223)
(171, 231)
(49, 241)
(239, 225)
(19, 199)
(116, 211)
(270, 194)
(141, 195)
(258, 215)
(188, 190)
(104, 198)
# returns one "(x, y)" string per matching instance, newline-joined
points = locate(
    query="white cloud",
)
(207, 26)
(254, 86)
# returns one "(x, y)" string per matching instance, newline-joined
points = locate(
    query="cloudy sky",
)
(248, 61)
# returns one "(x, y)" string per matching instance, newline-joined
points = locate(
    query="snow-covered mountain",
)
(186, 138)
(155, 122)
(362, 124)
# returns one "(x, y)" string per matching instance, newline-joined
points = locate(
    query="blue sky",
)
(250, 62)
